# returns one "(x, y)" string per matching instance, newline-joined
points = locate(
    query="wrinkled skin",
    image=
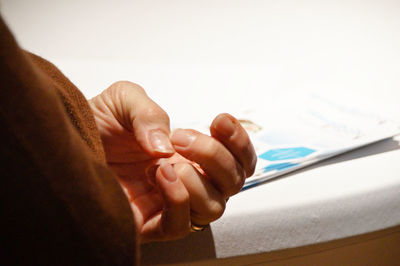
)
(171, 179)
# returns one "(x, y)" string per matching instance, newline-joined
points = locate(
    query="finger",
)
(228, 130)
(145, 208)
(207, 204)
(213, 157)
(174, 221)
(148, 121)
(138, 178)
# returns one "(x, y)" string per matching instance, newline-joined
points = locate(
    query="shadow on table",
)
(198, 246)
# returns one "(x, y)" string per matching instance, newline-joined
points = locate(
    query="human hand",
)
(166, 195)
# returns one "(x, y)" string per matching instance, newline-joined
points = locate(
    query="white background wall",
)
(217, 55)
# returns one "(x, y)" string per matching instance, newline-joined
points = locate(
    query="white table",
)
(199, 58)
(342, 197)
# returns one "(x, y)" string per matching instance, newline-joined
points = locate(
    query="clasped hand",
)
(171, 179)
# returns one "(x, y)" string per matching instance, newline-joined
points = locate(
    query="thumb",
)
(175, 218)
(150, 123)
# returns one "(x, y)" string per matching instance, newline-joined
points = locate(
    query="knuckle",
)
(123, 89)
(120, 90)
(210, 149)
(235, 186)
(215, 209)
(181, 200)
(183, 169)
(236, 183)
(155, 112)
(127, 85)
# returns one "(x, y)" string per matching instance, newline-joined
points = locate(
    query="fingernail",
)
(160, 141)
(168, 172)
(224, 125)
(182, 138)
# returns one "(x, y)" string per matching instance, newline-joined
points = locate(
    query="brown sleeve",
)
(61, 203)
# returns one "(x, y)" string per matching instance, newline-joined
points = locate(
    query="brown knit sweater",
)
(61, 205)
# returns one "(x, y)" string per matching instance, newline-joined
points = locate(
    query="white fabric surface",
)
(352, 194)
(199, 58)
(329, 202)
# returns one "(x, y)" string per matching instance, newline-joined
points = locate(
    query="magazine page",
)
(299, 129)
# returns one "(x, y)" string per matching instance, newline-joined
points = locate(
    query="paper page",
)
(307, 128)
(299, 129)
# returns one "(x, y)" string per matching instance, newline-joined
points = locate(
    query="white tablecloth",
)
(352, 194)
